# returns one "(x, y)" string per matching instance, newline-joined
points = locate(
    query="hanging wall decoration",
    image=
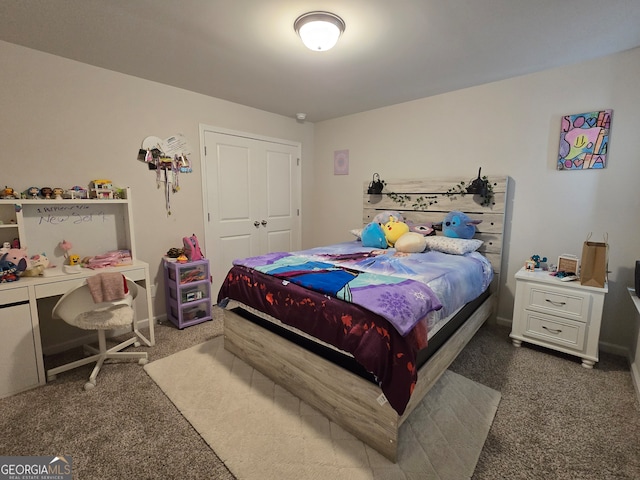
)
(584, 140)
(169, 158)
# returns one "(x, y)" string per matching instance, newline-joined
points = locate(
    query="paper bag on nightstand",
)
(593, 266)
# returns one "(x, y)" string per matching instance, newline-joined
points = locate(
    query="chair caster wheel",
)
(88, 386)
(143, 361)
(136, 344)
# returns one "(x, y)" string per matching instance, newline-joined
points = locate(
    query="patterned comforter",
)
(371, 303)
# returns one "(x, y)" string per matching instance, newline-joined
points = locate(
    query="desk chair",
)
(77, 308)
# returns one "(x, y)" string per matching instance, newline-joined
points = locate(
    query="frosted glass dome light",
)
(319, 31)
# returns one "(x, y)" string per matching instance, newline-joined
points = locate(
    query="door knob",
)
(264, 223)
(256, 224)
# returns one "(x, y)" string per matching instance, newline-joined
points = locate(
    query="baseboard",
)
(614, 349)
(635, 377)
(504, 322)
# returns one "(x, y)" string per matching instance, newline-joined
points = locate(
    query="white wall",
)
(509, 127)
(64, 123)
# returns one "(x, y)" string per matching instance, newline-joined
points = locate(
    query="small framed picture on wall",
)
(341, 162)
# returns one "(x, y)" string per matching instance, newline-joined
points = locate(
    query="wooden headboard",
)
(426, 200)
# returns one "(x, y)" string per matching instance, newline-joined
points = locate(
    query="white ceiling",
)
(392, 51)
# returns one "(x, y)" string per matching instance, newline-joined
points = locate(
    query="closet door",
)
(252, 194)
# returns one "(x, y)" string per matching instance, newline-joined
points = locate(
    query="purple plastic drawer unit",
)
(188, 292)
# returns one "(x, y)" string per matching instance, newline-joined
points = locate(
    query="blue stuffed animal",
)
(458, 225)
(373, 236)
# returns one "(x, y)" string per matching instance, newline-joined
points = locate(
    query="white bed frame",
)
(352, 402)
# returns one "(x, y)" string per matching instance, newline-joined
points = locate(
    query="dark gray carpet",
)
(556, 420)
(124, 428)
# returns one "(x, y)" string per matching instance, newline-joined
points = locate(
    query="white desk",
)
(21, 358)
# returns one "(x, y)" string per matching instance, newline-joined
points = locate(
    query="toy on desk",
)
(8, 270)
(182, 258)
(74, 264)
(73, 261)
(37, 266)
(58, 192)
(101, 189)
(65, 246)
(76, 192)
(17, 257)
(12, 264)
(32, 192)
(114, 258)
(8, 193)
(46, 192)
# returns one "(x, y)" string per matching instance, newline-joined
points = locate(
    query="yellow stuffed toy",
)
(393, 230)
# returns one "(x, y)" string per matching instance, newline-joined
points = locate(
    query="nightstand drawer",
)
(558, 301)
(556, 330)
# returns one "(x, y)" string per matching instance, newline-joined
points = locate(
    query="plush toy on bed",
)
(458, 225)
(411, 242)
(388, 229)
(383, 217)
(394, 229)
(373, 236)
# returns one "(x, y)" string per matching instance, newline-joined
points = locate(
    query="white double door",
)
(252, 193)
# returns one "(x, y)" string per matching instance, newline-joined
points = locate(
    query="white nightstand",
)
(564, 316)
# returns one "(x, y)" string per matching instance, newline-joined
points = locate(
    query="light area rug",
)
(261, 431)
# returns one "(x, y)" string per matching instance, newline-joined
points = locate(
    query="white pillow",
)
(454, 246)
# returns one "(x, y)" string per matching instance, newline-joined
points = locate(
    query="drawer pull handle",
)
(557, 304)
(551, 330)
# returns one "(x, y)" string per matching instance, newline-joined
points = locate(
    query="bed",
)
(367, 387)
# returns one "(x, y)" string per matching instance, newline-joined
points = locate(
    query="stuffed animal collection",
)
(388, 229)
(15, 263)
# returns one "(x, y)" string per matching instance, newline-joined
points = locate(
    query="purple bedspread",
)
(400, 300)
(276, 284)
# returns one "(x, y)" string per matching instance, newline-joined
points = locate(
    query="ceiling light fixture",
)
(319, 31)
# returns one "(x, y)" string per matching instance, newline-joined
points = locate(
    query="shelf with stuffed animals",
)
(36, 229)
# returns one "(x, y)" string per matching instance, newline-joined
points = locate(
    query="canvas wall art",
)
(584, 140)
